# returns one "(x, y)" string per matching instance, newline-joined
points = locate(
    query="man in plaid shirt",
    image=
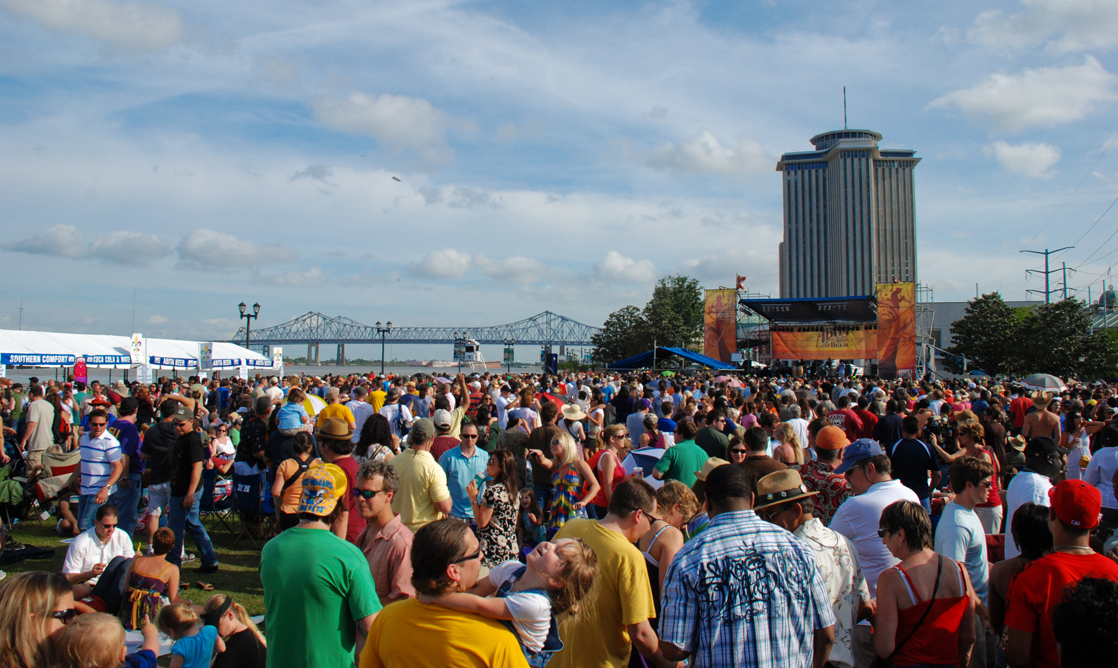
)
(744, 592)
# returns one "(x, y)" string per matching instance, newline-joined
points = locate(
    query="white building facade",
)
(849, 216)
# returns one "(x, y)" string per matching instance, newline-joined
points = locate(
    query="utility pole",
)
(1047, 272)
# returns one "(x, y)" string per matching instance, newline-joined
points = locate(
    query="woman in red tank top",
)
(606, 464)
(925, 604)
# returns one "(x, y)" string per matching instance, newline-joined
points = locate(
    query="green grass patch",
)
(239, 574)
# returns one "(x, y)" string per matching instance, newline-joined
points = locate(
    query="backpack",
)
(400, 425)
(60, 429)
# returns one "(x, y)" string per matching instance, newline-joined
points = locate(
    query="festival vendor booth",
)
(63, 351)
(873, 330)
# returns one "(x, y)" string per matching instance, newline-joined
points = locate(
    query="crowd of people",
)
(586, 519)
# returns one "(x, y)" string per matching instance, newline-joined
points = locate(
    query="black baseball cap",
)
(1043, 446)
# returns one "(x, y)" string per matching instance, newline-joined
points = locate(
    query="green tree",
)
(674, 315)
(1056, 338)
(986, 336)
(622, 336)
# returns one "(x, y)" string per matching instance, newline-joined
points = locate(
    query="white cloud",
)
(120, 247)
(465, 197)
(317, 172)
(132, 26)
(398, 122)
(516, 269)
(158, 320)
(1078, 24)
(445, 263)
(128, 248)
(1043, 97)
(1029, 159)
(296, 278)
(705, 153)
(59, 241)
(205, 248)
(617, 267)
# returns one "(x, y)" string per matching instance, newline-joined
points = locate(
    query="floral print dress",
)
(498, 538)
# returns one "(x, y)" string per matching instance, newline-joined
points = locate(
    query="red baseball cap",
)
(1076, 503)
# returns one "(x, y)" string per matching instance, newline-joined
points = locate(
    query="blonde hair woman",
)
(34, 608)
(570, 476)
(790, 451)
(244, 643)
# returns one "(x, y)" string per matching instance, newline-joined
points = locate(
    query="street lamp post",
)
(383, 331)
(459, 348)
(249, 317)
(508, 357)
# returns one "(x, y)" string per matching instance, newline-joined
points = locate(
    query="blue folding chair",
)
(217, 501)
(256, 520)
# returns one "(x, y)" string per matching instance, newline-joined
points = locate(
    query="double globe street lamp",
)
(383, 331)
(249, 317)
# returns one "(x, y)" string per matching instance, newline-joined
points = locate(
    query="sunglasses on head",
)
(473, 555)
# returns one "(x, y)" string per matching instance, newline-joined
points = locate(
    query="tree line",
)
(672, 317)
(1051, 338)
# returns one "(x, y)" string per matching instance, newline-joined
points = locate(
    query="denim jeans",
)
(87, 510)
(185, 520)
(127, 500)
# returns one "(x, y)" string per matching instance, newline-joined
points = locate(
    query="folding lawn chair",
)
(217, 501)
(256, 519)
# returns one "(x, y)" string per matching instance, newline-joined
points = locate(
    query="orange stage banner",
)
(720, 317)
(896, 330)
(826, 343)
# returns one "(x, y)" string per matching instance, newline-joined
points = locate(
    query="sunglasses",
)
(108, 526)
(881, 533)
(474, 555)
(65, 616)
(469, 436)
(366, 493)
(98, 424)
(738, 452)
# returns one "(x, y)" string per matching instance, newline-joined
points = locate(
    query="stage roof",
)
(644, 360)
(815, 311)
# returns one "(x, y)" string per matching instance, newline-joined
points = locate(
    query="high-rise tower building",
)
(849, 216)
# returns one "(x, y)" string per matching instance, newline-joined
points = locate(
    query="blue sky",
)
(550, 156)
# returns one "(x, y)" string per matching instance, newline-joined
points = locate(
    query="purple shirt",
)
(129, 437)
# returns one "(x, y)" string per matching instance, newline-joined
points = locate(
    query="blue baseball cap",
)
(859, 450)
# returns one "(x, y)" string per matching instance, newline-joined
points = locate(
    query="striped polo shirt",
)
(98, 455)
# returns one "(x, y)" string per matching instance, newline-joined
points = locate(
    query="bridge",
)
(312, 329)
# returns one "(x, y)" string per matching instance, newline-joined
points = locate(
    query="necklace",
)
(1069, 548)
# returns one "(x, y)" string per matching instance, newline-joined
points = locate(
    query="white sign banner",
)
(277, 360)
(138, 350)
(3, 370)
(244, 372)
(143, 374)
(205, 356)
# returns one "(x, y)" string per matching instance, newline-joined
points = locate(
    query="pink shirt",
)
(389, 555)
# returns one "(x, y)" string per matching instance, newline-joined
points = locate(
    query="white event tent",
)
(54, 349)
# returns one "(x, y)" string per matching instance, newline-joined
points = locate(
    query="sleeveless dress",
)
(936, 642)
(144, 596)
(566, 492)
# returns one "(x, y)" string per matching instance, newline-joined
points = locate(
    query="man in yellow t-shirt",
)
(446, 558)
(423, 496)
(377, 394)
(334, 408)
(613, 617)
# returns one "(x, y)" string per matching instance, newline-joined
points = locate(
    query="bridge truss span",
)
(546, 328)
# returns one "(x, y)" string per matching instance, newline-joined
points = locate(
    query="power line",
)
(1047, 292)
(1100, 246)
(1081, 182)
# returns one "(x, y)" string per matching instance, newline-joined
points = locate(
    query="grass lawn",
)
(239, 574)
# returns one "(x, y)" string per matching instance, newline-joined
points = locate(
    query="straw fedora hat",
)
(709, 465)
(780, 487)
(573, 412)
(1041, 399)
(335, 428)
